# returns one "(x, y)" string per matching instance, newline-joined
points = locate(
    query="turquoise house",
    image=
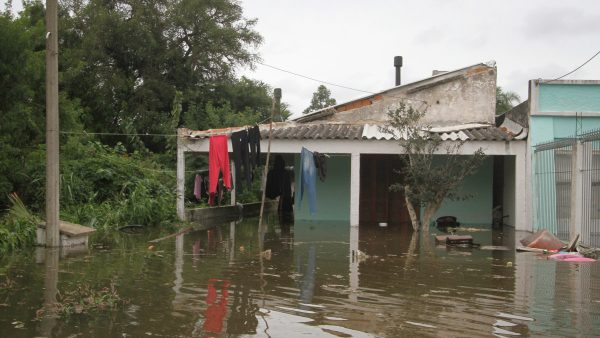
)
(564, 117)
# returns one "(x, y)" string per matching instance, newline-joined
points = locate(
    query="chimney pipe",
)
(277, 106)
(398, 65)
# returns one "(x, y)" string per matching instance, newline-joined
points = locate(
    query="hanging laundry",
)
(279, 184)
(321, 164)
(239, 143)
(254, 141)
(308, 179)
(218, 161)
(198, 186)
(217, 197)
(203, 186)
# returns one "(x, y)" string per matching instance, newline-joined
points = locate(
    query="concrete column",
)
(354, 188)
(52, 127)
(180, 176)
(577, 198)
(354, 264)
(522, 192)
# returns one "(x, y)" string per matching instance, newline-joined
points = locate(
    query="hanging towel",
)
(308, 177)
(218, 161)
(197, 187)
(321, 164)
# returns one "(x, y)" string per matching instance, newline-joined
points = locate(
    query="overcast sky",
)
(352, 43)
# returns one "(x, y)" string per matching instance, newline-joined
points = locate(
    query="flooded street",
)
(306, 282)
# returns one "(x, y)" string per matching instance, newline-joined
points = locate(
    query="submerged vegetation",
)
(85, 299)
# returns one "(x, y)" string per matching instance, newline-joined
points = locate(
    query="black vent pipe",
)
(398, 65)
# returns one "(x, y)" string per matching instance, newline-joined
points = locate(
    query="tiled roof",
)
(345, 131)
(315, 131)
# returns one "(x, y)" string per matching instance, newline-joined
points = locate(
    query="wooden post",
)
(274, 112)
(52, 141)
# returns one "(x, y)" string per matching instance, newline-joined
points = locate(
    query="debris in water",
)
(509, 316)
(421, 325)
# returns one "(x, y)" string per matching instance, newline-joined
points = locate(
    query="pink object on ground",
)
(571, 257)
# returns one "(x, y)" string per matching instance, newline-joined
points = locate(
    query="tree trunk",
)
(414, 218)
(430, 210)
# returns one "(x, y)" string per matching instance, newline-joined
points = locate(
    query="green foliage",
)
(126, 60)
(321, 99)
(505, 100)
(17, 227)
(427, 176)
(106, 187)
(125, 67)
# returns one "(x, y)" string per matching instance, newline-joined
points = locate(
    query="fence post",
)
(577, 198)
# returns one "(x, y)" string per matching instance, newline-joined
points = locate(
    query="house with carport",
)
(362, 159)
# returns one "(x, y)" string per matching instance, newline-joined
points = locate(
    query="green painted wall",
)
(476, 210)
(549, 128)
(557, 98)
(333, 195)
(569, 97)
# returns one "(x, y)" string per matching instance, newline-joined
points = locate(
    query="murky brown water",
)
(213, 283)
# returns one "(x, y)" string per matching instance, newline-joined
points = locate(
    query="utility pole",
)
(52, 142)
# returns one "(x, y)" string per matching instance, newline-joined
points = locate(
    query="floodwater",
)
(214, 283)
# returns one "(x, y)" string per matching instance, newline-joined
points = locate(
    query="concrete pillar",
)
(522, 193)
(354, 264)
(52, 127)
(354, 188)
(180, 176)
(577, 190)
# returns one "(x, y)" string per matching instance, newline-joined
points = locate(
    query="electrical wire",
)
(314, 79)
(340, 86)
(576, 69)
(116, 134)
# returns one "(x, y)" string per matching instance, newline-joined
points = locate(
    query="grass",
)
(17, 227)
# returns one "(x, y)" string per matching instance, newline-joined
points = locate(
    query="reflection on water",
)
(325, 279)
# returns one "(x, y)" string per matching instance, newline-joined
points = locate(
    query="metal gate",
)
(553, 179)
(590, 176)
(567, 187)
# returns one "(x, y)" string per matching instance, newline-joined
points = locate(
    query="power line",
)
(116, 134)
(314, 79)
(576, 69)
(337, 85)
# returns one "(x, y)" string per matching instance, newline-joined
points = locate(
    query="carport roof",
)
(345, 131)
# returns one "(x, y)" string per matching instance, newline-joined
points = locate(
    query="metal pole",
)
(52, 141)
(274, 112)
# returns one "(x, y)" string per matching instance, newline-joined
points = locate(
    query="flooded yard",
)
(307, 281)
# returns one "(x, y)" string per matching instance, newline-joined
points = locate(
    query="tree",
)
(433, 170)
(505, 100)
(125, 60)
(321, 99)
